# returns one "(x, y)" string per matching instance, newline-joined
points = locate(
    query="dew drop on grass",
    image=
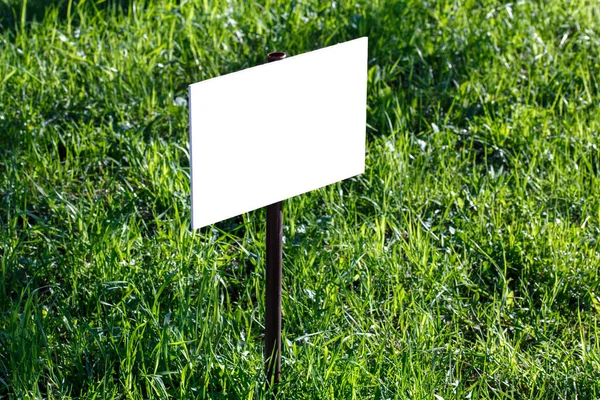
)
(180, 101)
(310, 294)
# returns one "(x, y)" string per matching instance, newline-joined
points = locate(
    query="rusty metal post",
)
(273, 282)
(273, 293)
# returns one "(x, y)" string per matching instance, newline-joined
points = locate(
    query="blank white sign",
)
(277, 130)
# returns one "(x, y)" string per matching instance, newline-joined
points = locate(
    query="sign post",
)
(274, 257)
(251, 149)
(273, 293)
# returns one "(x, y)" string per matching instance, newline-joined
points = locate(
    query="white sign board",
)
(274, 131)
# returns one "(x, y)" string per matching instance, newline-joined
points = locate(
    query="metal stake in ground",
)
(273, 289)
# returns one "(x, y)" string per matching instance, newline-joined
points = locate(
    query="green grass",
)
(464, 263)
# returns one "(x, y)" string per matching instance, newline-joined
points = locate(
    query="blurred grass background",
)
(462, 264)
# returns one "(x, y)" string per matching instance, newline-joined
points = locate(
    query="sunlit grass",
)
(462, 264)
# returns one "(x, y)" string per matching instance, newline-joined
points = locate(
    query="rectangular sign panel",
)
(271, 132)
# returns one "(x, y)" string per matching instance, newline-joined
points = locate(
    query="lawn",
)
(463, 264)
